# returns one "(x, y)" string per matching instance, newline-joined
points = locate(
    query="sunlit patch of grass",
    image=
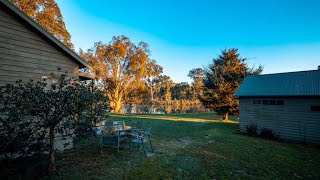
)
(176, 118)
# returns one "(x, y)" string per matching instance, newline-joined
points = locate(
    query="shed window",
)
(315, 108)
(256, 101)
(280, 102)
(268, 101)
(265, 101)
(273, 102)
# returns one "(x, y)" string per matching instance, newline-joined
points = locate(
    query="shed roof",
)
(82, 63)
(302, 83)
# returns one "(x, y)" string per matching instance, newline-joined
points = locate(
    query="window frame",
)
(268, 101)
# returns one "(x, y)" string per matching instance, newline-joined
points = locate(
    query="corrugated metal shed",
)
(302, 83)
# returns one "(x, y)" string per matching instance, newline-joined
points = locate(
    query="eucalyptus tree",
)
(121, 66)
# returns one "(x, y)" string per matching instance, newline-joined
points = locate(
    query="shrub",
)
(31, 115)
(267, 133)
(252, 130)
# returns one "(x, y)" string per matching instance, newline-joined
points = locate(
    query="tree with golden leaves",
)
(121, 66)
(47, 13)
(197, 75)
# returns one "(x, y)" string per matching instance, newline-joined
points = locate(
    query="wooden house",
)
(28, 51)
(286, 103)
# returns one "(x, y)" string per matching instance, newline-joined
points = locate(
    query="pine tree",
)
(222, 78)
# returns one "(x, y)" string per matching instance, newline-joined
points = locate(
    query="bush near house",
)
(31, 116)
(252, 130)
(266, 133)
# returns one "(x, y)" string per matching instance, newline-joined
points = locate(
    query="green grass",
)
(191, 146)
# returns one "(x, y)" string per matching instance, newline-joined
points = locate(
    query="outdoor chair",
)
(139, 138)
(110, 137)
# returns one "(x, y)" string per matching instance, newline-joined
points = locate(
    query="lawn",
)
(191, 146)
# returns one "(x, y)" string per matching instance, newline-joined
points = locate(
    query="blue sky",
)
(281, 35)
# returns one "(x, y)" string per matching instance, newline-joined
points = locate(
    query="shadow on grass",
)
(23, 168)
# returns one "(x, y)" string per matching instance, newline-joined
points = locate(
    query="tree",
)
(222, 78)
(181, 91)
(47, 13)
(165, 88)
(197, 75)
(31, 111)
(154, 70)
(120, 66)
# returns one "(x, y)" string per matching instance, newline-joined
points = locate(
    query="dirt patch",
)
(149, 154)
(213, 154)
(179, 143)
(182, 142)
(171, 147)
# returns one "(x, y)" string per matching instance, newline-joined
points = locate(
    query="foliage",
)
(164, 88)
(222, 78)
(181, 91)
(162, 95)
(120, 66)
(34, 113)
(197, 75)
(252, 129)
(47, 13)
(154, 71)
(267, 133)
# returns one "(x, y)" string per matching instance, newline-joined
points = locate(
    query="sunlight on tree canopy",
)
(47, 13)
(121, 66)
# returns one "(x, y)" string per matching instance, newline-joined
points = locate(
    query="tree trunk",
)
(51, 166)
(226, 116)
(117, 106)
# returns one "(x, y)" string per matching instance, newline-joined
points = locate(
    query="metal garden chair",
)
(110, 137)
(138, 138)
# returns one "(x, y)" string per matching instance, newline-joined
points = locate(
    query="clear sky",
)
(281, 35)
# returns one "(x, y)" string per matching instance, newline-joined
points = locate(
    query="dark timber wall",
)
(292, 121)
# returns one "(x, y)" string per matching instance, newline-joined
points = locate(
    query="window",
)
(256, 101)
(280, 102)
(268, 101)
(265, 102)
(315, 108)
(273, 102)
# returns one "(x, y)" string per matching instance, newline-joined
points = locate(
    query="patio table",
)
(124, 130)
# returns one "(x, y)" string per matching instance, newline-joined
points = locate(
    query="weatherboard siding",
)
(26, 54)
(292, 121)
